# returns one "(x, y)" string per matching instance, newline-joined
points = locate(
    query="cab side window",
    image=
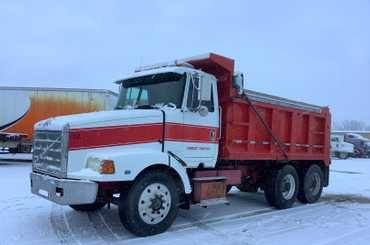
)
(210, 104)
(194, 100)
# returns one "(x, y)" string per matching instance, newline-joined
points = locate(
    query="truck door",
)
(201, 122)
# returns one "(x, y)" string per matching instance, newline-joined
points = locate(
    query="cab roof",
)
(161, 70)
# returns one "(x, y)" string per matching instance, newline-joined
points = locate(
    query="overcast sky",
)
(314, 51)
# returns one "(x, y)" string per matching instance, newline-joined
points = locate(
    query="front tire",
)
(342, 155)
(281, 187)
(151, 204)
(311, 185)
(13, 150)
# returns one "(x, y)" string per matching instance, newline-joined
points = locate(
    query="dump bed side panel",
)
(303, 134)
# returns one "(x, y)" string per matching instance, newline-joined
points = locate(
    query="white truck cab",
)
(340, 148)
(165, 119)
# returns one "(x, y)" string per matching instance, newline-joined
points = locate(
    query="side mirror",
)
(238, 82)
(205, 90)
(203, 110)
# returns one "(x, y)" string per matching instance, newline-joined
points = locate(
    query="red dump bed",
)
(300, 134)
(258, 126)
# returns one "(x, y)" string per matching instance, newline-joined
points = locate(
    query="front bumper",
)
(63, 191)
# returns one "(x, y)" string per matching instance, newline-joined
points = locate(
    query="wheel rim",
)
(314, 184)
(154, 203)
(288, 187)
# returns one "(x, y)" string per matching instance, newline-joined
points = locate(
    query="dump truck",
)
(22, 107)
(183, 133)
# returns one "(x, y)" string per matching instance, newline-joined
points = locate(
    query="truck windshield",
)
(152, 91)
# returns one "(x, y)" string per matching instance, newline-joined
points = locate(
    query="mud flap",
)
(326, 176)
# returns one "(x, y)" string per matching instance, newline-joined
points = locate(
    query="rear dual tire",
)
(281, 187)
(311, 186)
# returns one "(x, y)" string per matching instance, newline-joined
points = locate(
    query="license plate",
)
(43, 193)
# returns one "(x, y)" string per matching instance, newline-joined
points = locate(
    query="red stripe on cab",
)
(191, 133)
(86, 138)
(112, 136)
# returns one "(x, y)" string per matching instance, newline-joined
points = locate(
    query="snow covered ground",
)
(341, 217)
(5, 156)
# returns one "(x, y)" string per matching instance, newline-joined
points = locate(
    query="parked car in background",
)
(361, 144)
(367, 147)
(340, 148)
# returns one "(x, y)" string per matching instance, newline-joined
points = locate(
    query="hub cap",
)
(287, 187)
(154, 203)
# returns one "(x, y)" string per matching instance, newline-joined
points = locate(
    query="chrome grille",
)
(50, 152)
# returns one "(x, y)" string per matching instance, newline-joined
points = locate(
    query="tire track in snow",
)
(207, 227)
(61, 227)
(246, 215)
(74, 229)
(102, 228)
(286, 215)
(304, 220)
(347, 235)
(228, 234)
(204, 223)
(104, 231)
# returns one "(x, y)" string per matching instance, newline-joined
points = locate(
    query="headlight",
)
(102, 166)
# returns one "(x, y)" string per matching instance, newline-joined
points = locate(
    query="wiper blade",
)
(145, 107)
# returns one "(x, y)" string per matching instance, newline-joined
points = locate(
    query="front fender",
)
(129, 164)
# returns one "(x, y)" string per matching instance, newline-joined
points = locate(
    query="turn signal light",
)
(107, 167)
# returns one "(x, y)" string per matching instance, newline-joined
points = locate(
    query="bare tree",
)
(351, 125)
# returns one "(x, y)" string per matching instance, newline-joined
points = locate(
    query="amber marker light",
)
(107, 167)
